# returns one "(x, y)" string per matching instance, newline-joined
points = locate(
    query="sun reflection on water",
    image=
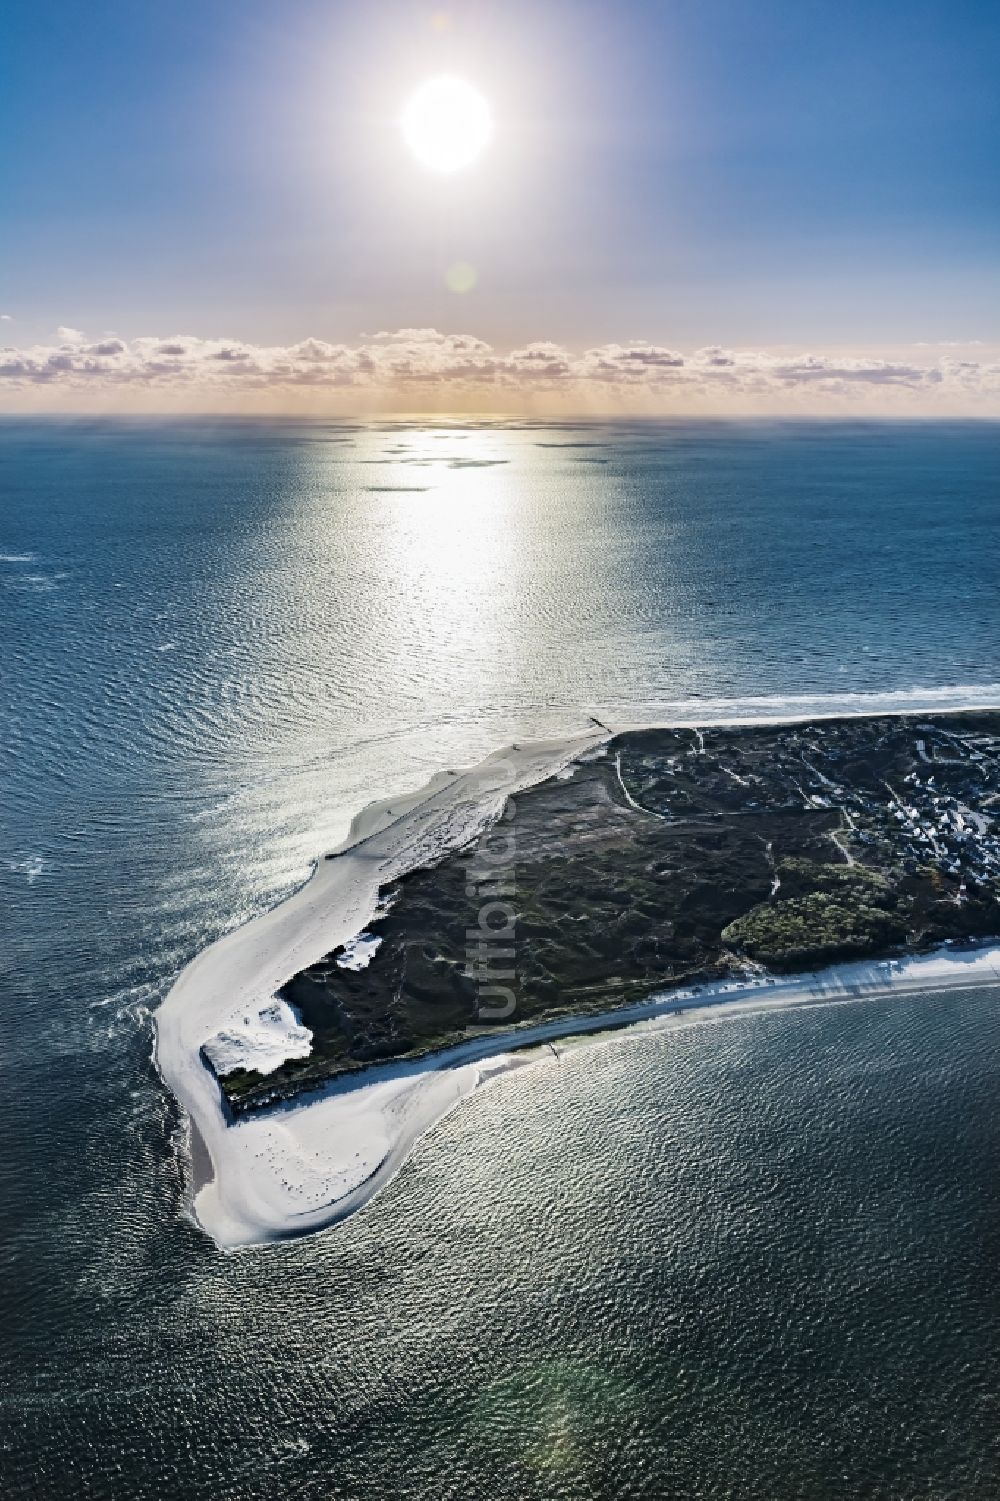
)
(449, 502)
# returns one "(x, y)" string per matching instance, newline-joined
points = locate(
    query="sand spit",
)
(302, 1166)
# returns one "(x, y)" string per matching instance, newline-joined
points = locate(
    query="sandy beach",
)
(318, 1158)
(304, 1166)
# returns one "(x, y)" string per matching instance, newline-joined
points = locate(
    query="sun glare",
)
(447, 124)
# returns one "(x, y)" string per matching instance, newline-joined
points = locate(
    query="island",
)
(657, 860)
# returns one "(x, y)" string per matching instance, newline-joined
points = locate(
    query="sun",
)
(447, 124)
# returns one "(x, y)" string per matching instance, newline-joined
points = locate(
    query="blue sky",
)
(728, 172)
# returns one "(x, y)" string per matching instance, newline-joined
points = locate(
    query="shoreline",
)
(307, 1163)
(247, 1198)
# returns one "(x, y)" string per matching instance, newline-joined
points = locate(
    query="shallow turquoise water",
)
(752, 1258)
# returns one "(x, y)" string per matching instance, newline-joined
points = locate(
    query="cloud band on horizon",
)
(416, 367)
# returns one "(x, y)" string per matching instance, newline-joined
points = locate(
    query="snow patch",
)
(358, 952)
(261, 1041)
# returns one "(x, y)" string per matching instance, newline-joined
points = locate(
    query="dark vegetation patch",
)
(673, 858)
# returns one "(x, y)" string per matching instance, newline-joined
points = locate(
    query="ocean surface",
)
(755, 1257)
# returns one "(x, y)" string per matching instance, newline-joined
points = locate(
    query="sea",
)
(752, 1257)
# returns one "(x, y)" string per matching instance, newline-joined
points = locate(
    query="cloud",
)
(6, 318)
(410, 366)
